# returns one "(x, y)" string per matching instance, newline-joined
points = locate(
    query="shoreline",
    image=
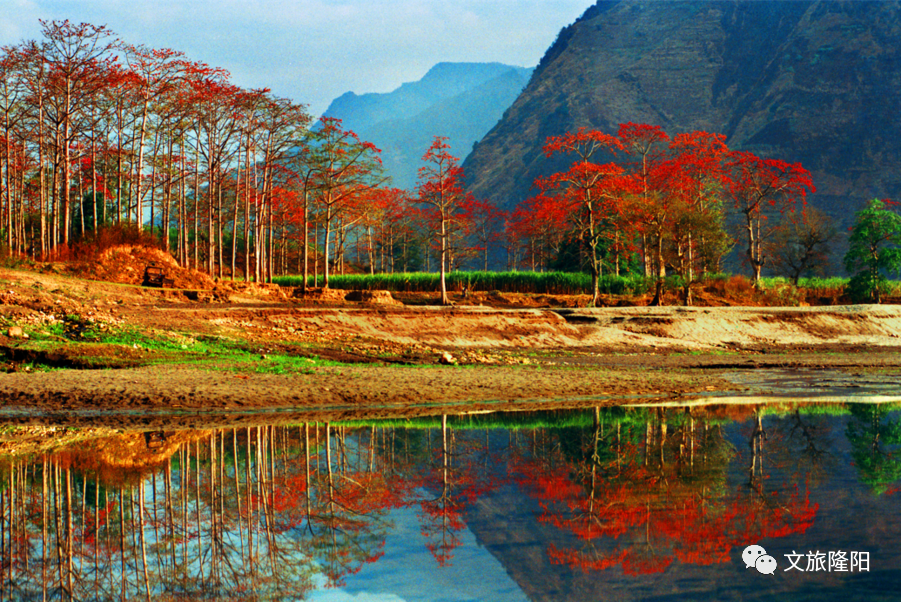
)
(259, 350)
(174, 393)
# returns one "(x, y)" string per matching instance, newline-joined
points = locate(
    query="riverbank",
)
(77, 345)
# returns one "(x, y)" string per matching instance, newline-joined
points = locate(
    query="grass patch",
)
(290, 364)
(99, 346)
(548, 283)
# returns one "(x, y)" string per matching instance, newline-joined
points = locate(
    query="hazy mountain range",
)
(462, 101)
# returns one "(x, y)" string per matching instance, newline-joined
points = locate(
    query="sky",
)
(312, 51)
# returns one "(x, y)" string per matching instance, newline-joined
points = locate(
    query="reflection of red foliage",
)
(638, 561)
(655, 516)
(90, 525)
(457, 486)
(701, 534)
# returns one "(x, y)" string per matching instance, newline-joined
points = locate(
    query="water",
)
(603, 503)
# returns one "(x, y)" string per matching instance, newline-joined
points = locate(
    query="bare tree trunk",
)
(142, 538)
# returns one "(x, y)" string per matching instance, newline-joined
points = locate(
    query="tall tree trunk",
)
(443, 267)
(328, 232)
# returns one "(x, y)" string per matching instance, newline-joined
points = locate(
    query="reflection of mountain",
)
(459, 100)
(406, 554)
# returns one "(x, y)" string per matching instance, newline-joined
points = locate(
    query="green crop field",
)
(549, 283)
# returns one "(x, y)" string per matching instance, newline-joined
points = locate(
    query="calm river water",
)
(639, 503)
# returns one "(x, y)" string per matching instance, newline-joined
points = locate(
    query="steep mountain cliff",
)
(812, 81)
(459, 100)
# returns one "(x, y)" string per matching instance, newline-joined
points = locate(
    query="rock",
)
(447, 359)
(16, 332)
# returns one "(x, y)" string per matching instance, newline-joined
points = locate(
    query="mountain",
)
(459, 100)
(816, 82)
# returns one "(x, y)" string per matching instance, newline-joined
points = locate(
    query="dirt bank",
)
(253, 348)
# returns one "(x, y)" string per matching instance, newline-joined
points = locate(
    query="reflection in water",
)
(875, 438)
(649, 488)
(272, 512)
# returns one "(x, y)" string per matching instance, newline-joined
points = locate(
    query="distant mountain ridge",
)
(462, 101)
(810, 81)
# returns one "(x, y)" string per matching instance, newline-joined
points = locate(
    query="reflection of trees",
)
(766, 510)
(233, 514)
(456, 480)
(346, 517)
(650, 487)
(875, 439)
(809, 442)
(271, 512)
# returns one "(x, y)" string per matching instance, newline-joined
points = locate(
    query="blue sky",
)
(315, 50)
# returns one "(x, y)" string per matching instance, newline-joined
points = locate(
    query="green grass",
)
(215, 353)
(130, 337)
(552, 283)
(224, 354)
(288, 364)
(547, 283)
(824, 286)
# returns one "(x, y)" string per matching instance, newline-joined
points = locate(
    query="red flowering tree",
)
(588, 192)
(441, 190)
(691, 176)
(646, 144)
(346, 168)
(760, 188)
(483, 220)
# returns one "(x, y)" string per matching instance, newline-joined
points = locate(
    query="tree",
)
(539, 228)
(802, 244)
(591, 192)
(484, 220)
(77, 57)
(874, 248)
(12, 114)
(215, 102)
(279, 126)
(695, 174)
(345, 168)
(440, 188)
(758, 187)
(647, 143)
(384, 224)
(155, 74)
